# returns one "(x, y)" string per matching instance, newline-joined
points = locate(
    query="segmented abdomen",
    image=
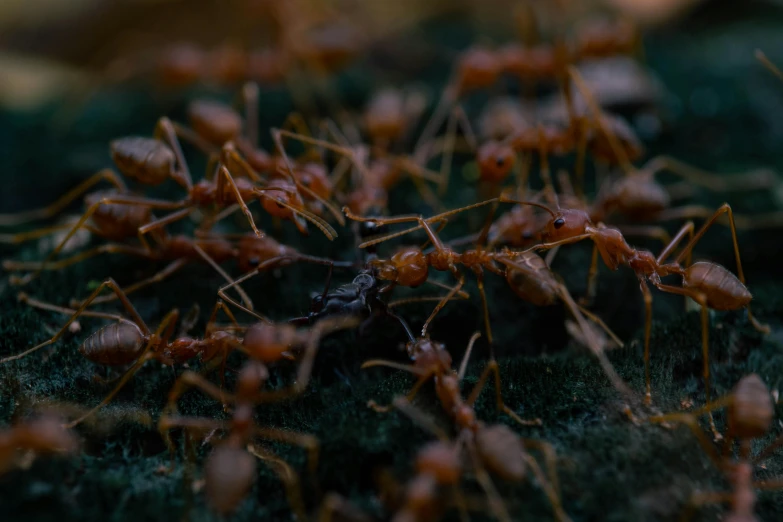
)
(721, 288)
(114, 345)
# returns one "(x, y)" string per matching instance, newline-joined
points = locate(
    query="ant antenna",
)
(504, 198)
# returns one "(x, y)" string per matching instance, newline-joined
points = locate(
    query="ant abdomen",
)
(145, 160)
(215, 122)
(502, 452)
(535, 284)
(751, 410)
(229, 473)
(117, 221)
(117, 344)
(721, 288)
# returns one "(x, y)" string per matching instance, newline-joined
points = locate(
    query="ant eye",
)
(559, 222)
(527, 235)
(253, 261)
(500, 161)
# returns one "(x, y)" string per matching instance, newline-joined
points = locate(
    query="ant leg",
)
(162, 222)
(687, 229)
(277, 137)
(496, 503)
(225, 175)
(592, 275)
(189, 380)
(769, 450)
(35, 303)
(725, 209)
(551, 487)
(593, 344)
(157, 278)
(411, 394)
(211, 262)
(113, 199)
(754, 179)
(306, 441)
(647, 295)
(287, 476)
(420, 417)
(168, 423)
(166, 328)
(701, 498)
(9, 220)
(182, 176)
(463, 366)
(108, 248)
(614, 143)
(659, 233)
(689, 419)
(269, 263)
(448, 297)
(250, 97)
(485, 307)
(492, 367)
(705, 342)
(770, 484)
(135, 317)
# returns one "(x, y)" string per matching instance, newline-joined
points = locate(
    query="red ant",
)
(130, 341)
(230, 470)
(709, 284)
(44, 435)
(750, 412)
(495, 448)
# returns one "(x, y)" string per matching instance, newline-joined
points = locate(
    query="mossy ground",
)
(610, 469)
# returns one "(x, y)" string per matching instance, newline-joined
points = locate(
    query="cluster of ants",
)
(338, 179)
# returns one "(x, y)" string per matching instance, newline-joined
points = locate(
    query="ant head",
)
(279, 193)
(441, 460)
(478, 67)
(254, 250)
(251, 377)
(428, 354)
(565, 223)
(215, 122)
(269, 342)
(411, 267)
(495, 161)
(315, 177)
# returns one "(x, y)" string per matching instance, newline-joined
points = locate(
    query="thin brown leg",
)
(592, 274)
(492, 367)
(135, 317)
(647, 295)
(118, 199)
(222, 291)
(754, 179)
(287, 476)
(705, 340)
(10, 220)
(689, 419)
(724, 209)
(108, 248)
(306, 441)
(550, 489)
(167, 271)
(448, 297)
(701, 498)
(181, 176)
(411, 394)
